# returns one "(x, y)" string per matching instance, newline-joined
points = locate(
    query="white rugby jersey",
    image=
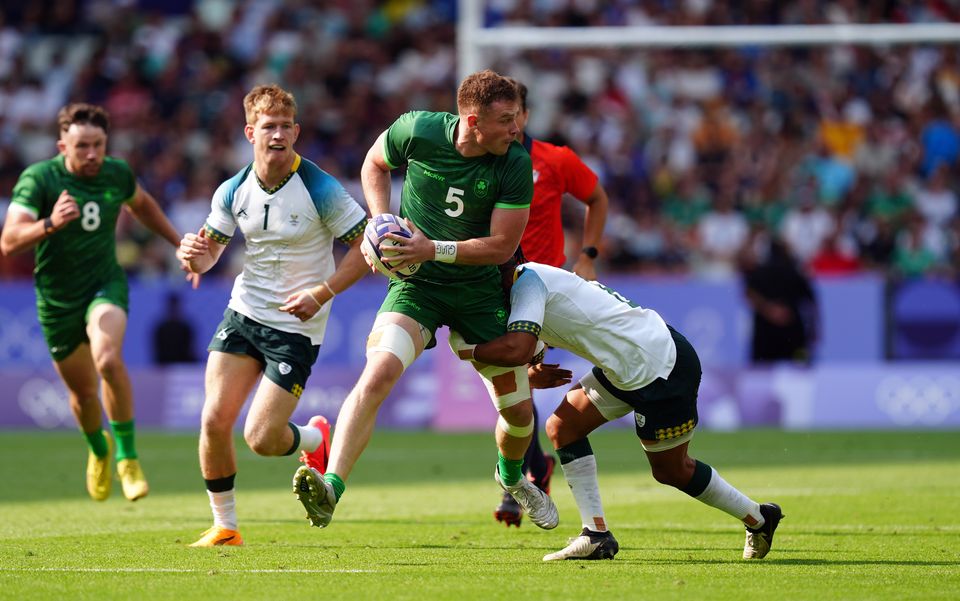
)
(632, 345)
(289, 234)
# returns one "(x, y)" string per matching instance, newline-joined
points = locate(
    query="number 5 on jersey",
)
(454, 198)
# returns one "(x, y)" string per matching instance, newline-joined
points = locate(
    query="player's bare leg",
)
(573, 420)
(395, 341)
(510, 393)
(674, 467)
(106, 326)
(229, 379)
(80, 377)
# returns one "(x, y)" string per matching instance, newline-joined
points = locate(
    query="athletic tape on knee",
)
(515, 431)
(502, 398)
(392, 338)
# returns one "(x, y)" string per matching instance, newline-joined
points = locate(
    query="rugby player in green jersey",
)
(467, 193)
(67, 207)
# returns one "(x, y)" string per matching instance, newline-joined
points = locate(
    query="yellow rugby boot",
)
(99, 472)
(218, 536)
(131, 478)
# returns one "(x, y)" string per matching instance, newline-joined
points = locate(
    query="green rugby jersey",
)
(449, 196)
(73, 263)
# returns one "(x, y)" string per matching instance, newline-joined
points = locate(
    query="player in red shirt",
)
(557, 170)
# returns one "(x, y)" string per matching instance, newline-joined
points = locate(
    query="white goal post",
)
(473, 38)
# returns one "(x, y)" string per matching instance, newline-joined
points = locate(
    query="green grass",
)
(869, 516)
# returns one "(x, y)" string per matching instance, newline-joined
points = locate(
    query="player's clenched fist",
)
(193, 246)
(65, 210)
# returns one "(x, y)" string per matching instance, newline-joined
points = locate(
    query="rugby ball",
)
(377, 246)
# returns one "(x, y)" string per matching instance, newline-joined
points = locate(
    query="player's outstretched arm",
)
(375, 178)
(510, 350)
(148, 212)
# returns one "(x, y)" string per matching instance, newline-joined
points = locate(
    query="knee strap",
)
(392, 338)
(506, 386)
(515, 431)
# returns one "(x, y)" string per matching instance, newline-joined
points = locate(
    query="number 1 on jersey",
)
(266, 213)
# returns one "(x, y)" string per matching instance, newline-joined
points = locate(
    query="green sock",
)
(511, 470)
(336, 482)
(124, 434)
(97, 442)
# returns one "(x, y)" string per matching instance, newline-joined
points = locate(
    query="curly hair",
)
(270, 99)
(81, 113)
(481, 89)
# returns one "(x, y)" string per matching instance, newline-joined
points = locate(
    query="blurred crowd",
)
(847, 153)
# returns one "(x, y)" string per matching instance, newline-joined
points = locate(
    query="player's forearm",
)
(352, 267)
(492, 250)
(153, 218)
(505, 351)
(202, 264)
(595, 217)
(21, 237)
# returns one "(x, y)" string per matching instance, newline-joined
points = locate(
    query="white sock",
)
(728, 499)
(581, 475)
(224, 506)
(310, 438)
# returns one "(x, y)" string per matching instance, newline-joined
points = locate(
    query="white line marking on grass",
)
(187, 571)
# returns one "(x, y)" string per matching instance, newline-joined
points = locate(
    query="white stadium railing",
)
(473, 38)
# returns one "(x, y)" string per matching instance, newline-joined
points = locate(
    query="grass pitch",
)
(869, 516)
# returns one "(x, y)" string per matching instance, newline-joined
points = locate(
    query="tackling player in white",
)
(642, 365)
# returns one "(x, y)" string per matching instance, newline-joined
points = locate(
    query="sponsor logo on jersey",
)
(435, 176)
(536, 175)
(242, 214)
(480, 187)
(284, 368)
(222, 334)
(641, 420)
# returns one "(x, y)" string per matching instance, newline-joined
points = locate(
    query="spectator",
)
(173, 335)
(784, 309)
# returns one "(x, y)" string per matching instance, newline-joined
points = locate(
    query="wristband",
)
(327, 286)
(538, 353)
(445, 252)
(310, 294)
(48, 225)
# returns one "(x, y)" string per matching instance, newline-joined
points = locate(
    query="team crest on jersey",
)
(294, 219)
(284, 368)
(242, 214)
(641, 420)
(501, 316)
(480, 187)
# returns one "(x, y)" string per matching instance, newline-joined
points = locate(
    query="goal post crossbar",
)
(473, 38)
